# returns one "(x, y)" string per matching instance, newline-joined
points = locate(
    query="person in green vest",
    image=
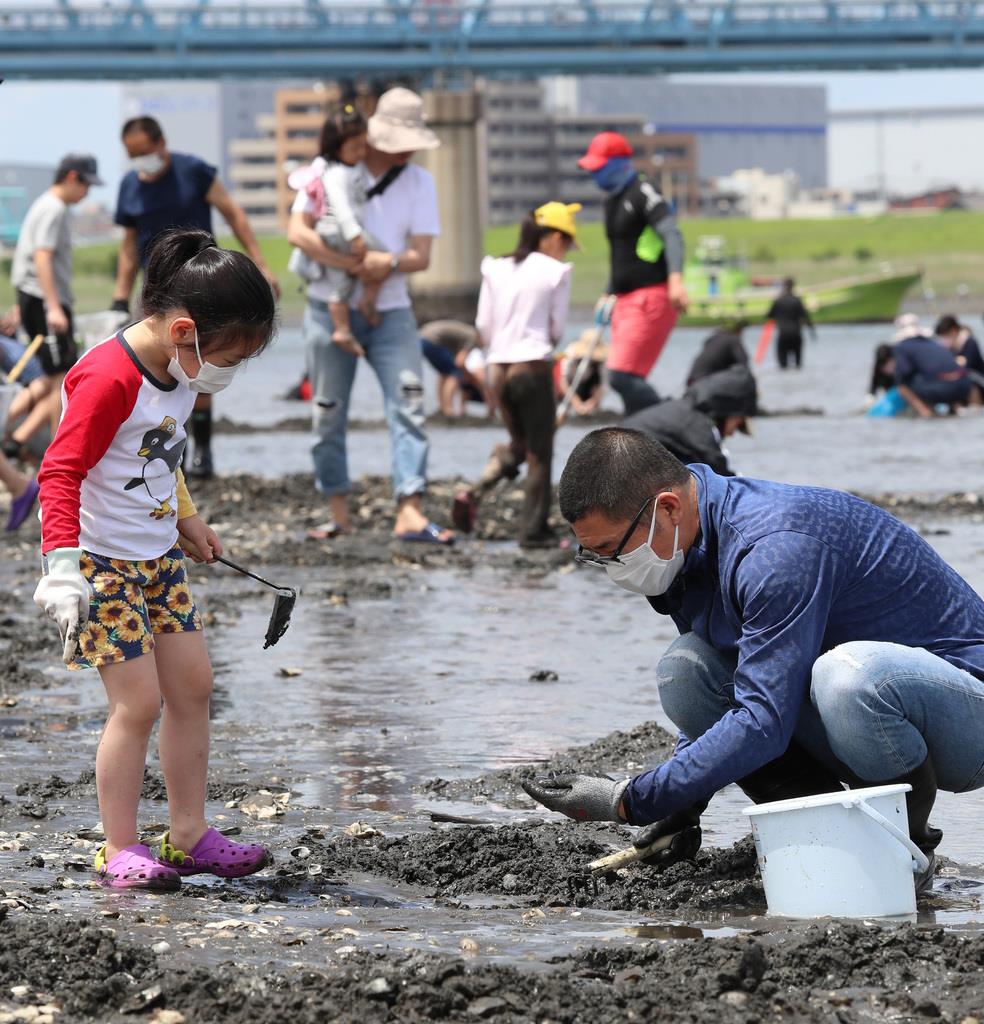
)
(646, 268)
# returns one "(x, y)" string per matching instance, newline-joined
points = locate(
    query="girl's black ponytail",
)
(222, 291)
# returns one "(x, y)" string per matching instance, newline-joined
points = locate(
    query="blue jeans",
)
(636, 392)
(393, 351)
(874, 709)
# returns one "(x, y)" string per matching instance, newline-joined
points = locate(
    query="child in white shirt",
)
(342, 185)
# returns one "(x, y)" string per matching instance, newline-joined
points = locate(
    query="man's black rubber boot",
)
(201, 432)
(919, 804)
(793, 774)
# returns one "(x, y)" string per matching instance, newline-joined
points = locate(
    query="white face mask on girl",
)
(642, 571)
(209, 379)
(151, 164)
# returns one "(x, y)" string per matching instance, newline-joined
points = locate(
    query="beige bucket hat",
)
(398, 125)
(579, 349)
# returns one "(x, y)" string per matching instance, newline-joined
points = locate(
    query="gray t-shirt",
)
(46, 226)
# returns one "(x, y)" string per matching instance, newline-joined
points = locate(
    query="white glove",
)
(64, 594)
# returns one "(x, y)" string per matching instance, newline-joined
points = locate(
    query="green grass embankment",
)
(948, 246)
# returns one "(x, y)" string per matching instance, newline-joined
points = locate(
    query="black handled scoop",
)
(283, 603)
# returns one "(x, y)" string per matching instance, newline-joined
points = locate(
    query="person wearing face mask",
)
(822, 642)
(165, 190)
(646, 268)
(116, 519)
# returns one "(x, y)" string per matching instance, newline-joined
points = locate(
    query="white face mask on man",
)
(209, 379)
(151, 164)
(642, 571)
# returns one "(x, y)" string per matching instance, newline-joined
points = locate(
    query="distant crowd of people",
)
(364, 220)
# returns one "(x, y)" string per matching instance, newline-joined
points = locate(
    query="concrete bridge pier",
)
(449, 287)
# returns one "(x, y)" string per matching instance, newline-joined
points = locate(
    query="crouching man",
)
(822, 642)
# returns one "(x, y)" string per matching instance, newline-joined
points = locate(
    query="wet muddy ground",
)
(378, 750)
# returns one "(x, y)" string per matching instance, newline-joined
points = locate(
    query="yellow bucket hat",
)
(559, 216)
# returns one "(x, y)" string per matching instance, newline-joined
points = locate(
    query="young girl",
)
(522, 311)
(114, 507)
(337, 184)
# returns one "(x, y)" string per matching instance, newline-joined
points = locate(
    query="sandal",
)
(215, 854)
(326, 531)
(430, 534)
(135, 867)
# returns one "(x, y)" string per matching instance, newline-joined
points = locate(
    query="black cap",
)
(84, 166)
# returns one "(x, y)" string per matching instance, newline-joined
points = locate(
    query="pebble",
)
(161, 947)
(161, 1016)
(378, 987)
(738, 1000)
(486, 1006)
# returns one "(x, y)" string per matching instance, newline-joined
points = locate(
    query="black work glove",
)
(684, 826)
(581, 797)
(120, 306)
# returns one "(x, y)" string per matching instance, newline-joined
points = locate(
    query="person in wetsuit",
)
(646, 267)
(789, 315)
(693, 428)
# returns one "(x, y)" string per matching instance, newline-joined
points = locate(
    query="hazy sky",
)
(40, 121)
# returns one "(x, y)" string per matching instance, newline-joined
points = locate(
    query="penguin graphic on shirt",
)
(152, 448)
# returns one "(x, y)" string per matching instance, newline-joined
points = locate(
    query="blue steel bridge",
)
(78, 39)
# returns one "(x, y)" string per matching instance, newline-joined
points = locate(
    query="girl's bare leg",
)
(13, 479)
(134, 704)
(186, 685)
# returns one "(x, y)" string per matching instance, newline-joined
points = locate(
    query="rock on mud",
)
(626, 752)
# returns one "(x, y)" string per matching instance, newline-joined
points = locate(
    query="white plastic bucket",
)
(845, 854)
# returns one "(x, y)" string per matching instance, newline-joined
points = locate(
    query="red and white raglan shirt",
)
(111, 481)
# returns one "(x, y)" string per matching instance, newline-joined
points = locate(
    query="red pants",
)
(641, 323)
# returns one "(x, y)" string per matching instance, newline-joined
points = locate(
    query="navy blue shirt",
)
(924, 357)
(778, 576)
(176, 200)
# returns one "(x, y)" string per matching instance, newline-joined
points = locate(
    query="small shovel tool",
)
(283, 603)
(623, 858)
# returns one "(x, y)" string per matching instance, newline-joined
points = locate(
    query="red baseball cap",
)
(603, 147)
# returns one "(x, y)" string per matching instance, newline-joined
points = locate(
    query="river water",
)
(841, 449)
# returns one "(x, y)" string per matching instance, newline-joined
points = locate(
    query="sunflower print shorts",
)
(131, 602)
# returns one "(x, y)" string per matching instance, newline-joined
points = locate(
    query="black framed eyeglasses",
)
(591, 558)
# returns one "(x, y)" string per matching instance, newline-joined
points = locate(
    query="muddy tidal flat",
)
(379, 750)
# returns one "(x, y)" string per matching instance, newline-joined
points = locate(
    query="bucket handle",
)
(920, 862)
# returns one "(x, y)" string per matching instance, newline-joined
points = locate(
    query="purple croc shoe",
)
(20, 508)
(215, 854)
(134, 867)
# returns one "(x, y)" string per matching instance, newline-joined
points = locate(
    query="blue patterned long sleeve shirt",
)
(779, 575)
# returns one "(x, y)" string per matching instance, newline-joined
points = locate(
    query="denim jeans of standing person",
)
(945, 392)
(874, 709)
(393, 351)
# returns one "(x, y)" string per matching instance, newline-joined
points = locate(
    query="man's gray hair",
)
(614, 471)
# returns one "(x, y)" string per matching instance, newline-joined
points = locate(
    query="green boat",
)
(720, 290)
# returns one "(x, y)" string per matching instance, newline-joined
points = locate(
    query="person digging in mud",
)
(821, 642)
(115, 579)
(522, 312)
(693, 428)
